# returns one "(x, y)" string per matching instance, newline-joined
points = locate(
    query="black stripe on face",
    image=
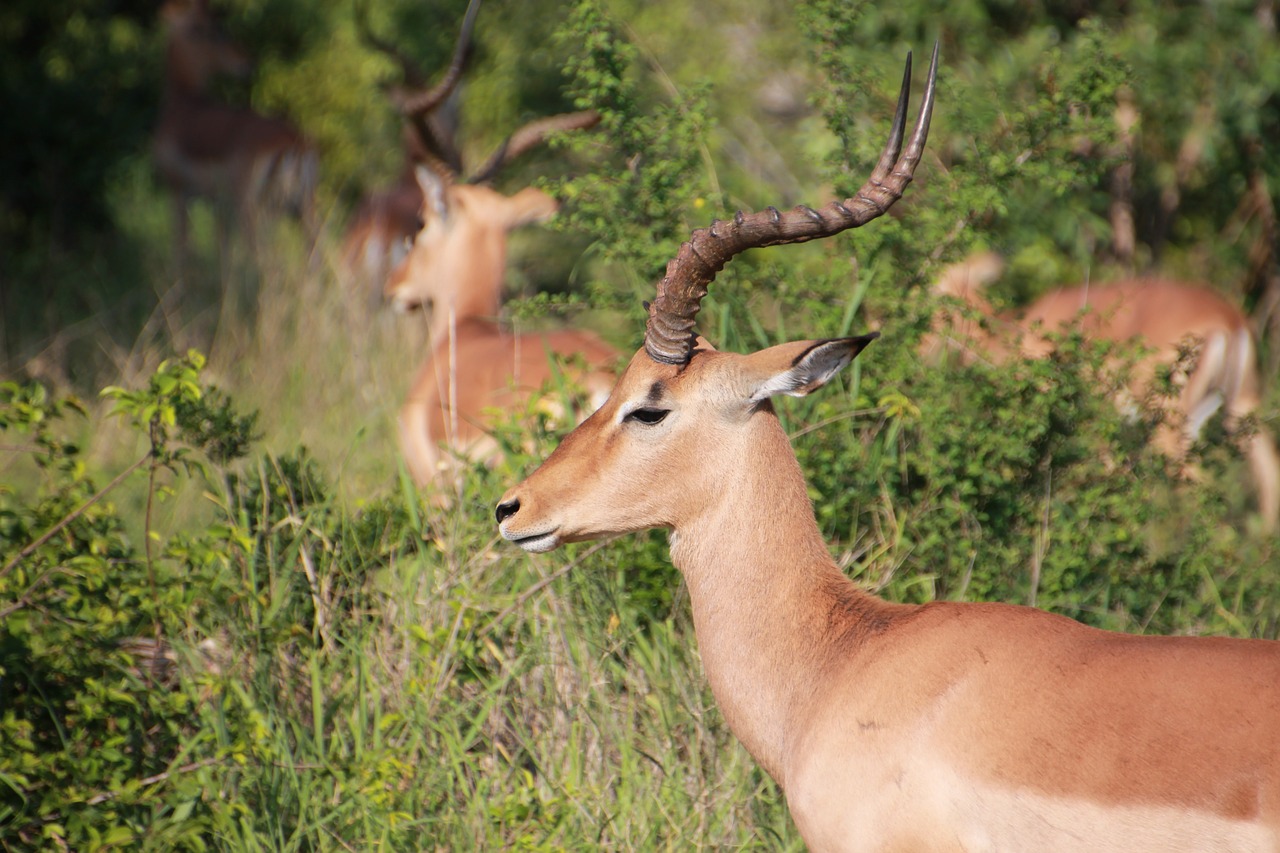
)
(655, 394)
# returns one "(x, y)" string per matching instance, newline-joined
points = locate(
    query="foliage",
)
(66, 66)
(1026, 484)
(634, 205)
(86, 734)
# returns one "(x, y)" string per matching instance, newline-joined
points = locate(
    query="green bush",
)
(89, 636)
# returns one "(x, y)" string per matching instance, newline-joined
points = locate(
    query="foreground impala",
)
(942, 727)
(455, 269)
(1164, 316)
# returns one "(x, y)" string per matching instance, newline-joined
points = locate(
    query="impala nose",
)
(506, 509)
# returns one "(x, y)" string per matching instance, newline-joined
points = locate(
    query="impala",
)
(455, 269)
(941, 727)
(1163, 316)
(239, 159)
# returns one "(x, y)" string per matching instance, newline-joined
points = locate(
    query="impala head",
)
(685, 420)
(628, 467)
(462, 243)
(199, 50)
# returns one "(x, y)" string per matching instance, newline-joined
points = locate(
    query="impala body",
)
(1162, 316)
(241, 160)
(943, 727)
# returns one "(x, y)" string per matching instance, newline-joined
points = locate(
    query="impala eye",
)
(647, 416)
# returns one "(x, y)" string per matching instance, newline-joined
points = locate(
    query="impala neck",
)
(477, 295)
(771, 610)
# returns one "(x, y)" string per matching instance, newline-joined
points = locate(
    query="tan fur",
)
(455, 269)
(241, 160)
(1164, 316)
(944, 727)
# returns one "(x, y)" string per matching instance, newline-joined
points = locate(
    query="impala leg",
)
(248, 222)
(309, 171)
(1207, 384)
(417, 448)
(1265, 465)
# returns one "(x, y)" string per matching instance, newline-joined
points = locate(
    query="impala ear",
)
(433, 190)
(528, 206)
(800, 368)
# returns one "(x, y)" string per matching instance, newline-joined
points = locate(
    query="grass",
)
(469, 697)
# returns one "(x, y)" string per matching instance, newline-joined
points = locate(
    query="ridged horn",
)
(426, 111)
(532, 134)
(669, 334)
(424, 101)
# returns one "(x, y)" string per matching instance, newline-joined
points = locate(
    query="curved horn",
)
(669, 334)
(533, 133)
(419, 103)
(410, 72)
(422, 109)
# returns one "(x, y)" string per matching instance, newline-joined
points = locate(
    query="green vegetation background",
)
(227, 621)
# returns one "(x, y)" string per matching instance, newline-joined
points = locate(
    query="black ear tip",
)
(858, 343)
